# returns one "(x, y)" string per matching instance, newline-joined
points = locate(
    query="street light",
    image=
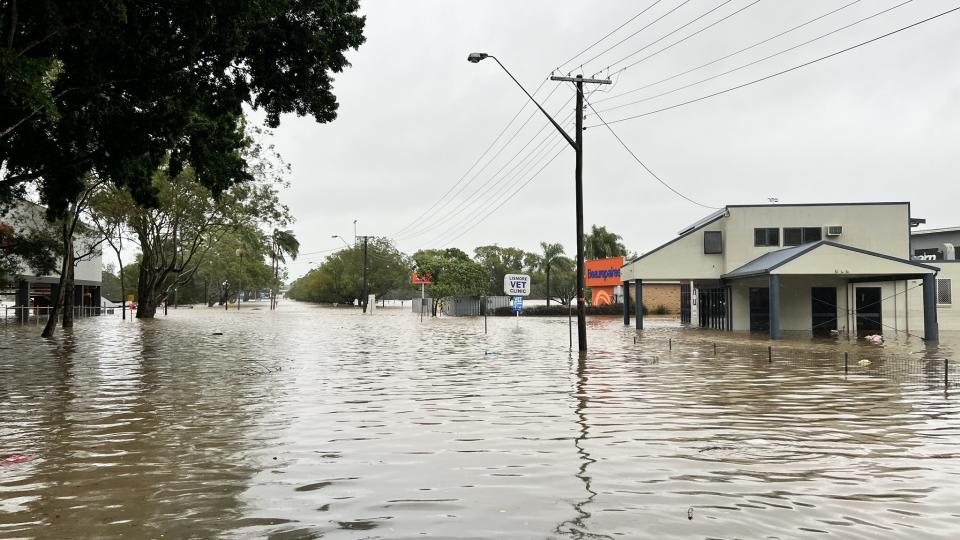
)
(577, 144)
(341, 239)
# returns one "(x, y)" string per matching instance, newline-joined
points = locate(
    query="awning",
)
(830, 258)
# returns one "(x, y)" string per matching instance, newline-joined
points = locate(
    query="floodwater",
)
(316, 422)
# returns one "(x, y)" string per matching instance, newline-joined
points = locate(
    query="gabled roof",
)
(768, 262)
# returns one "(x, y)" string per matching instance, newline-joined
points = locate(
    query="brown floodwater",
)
(316, 422)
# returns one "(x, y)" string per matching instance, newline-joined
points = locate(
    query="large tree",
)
(546, 260)
(499, 261)
(454, 274)
(339, 279)
(283, 244)
(116, 87)
(601, 243)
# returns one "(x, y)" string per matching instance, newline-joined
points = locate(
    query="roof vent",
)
(834, 230)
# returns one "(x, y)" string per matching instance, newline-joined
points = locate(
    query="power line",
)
(642, 164)
(681, 40)
(788, 70)
(738, 68)
(722, 58)
(595, 43)
(608, 49)
(419, 218)
(481, 220)
(482, 155)
(674, 31)
(438, 219)
(491, 202)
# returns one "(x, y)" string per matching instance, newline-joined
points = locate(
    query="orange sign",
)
(604, 272)
(421, 279)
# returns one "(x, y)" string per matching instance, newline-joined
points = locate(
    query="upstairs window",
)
(944, 296)
(712, 242)
(766, 237)
(794, 236)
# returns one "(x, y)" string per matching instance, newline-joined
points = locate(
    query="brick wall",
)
(655, 294)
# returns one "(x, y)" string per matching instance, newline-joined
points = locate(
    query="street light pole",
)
(365, 291)
(577, 144)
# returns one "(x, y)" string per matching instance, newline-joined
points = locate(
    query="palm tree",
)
(551, 252)
(601, 243)
(283, 243)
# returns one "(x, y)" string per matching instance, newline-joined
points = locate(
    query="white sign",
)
(516, 284)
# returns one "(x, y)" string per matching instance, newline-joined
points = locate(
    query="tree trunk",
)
(58, 301)
(146, 301)
(548, 285)
(68, 293)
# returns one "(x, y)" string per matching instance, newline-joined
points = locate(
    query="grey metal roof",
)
(764, 263)
(770, 261)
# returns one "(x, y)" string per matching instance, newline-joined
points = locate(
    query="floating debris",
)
(864, 363)
(15, 459)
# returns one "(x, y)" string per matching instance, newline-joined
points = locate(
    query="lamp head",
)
(476, 57)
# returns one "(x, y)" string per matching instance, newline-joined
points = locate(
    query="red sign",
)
(604, 272)
(422, 279)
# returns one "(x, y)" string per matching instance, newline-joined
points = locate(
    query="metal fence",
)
(932, 369)
(33, 315)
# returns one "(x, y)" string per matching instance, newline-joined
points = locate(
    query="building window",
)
(766, 237)
(944, 296)
(928, 254)
(712, 242)
(794, 236)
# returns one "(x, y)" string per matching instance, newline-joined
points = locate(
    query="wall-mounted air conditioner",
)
(834, 230)
(949, 252)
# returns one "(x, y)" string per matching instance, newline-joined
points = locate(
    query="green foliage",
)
(339, 279)
(110, 286)
(499, 261)
(601, 243)
(454, 273)
(191, 233)
(36, 250)
(660, 310)
(115, 87)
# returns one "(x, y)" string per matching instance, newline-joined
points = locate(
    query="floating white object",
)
(864, 363)
(876, 339)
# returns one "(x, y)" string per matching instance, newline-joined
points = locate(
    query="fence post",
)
(714, 349)
(846, 358)
(946, 373)
(670, 342)
(769, 354)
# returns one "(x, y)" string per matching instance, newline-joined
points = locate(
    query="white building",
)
(31, 289)
(821, 268)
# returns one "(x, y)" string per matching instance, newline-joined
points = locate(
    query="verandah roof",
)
(829, 258)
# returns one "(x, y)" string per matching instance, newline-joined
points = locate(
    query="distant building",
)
(822, 268)
(30, 289)
(936, 244)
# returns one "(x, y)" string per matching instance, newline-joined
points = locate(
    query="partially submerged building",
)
(34, 292)
(823, 268)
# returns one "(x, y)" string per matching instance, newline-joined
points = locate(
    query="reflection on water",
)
(311, 422)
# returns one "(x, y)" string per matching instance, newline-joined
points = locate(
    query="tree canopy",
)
(339, 279)
(600, 243)
(116, 87)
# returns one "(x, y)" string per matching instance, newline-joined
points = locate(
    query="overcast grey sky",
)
(876, 123)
